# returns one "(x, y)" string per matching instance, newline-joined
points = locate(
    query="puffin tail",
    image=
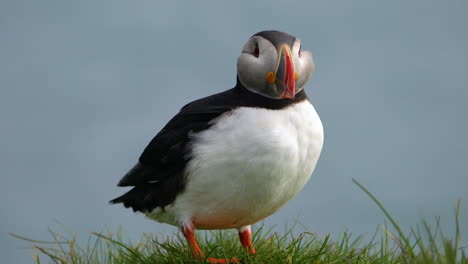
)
(133, 198)
(117, 200)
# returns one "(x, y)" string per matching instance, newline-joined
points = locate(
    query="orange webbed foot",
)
(223, 261)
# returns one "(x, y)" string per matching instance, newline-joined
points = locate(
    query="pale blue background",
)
(86, 84)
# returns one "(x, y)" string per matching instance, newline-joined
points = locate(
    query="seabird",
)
(234, 158)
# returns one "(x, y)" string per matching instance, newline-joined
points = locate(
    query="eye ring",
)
(256, 51)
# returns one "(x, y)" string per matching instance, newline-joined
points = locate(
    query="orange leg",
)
(189, 233)
(245, 236)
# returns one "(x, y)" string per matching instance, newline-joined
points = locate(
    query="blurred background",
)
(85, 85)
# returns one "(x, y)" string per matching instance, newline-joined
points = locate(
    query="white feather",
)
(247, 166)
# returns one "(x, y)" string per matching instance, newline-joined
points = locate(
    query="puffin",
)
(231, 159)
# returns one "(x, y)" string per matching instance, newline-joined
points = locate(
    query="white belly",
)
(247, 166)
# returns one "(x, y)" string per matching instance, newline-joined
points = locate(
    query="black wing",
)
(160, 176)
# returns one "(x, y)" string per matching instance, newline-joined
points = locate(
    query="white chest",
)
(248, 165)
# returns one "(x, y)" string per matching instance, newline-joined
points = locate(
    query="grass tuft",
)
(424, 244)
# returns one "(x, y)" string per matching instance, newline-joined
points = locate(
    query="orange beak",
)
(285, 72)
(284, 76)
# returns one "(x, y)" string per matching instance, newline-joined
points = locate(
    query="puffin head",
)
(273, 64)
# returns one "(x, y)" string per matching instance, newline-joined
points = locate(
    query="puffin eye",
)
(256, 51)
(300, 49)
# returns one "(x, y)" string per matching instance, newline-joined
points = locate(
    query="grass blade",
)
(408, 248)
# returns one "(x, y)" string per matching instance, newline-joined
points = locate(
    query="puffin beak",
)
(285, 75)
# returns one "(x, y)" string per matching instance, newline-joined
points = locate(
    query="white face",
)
(273, 73)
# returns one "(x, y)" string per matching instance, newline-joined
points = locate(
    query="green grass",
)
(388, 245)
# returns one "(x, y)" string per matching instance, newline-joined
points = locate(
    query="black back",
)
(277, 38)
(161, 173)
